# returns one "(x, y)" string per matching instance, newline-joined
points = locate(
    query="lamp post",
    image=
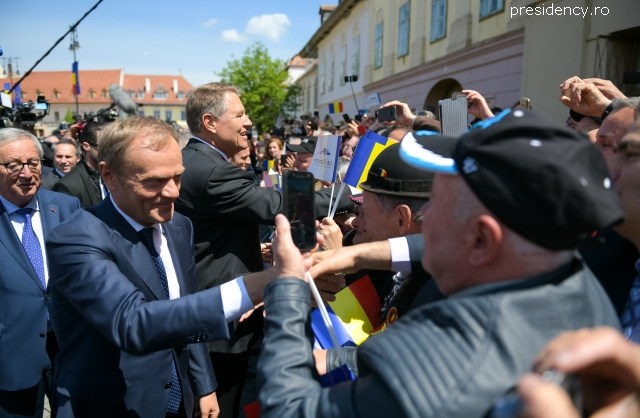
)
(75, 45)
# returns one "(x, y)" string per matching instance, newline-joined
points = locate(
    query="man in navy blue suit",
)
(27, 215)
(124, 302)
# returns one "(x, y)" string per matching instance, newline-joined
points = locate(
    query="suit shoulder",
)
(181, 221)
(60, 199)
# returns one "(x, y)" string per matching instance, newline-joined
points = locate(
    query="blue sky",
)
(156, 37)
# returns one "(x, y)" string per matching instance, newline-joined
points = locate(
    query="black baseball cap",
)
(307, 144)
(544, 181)
(390, 175)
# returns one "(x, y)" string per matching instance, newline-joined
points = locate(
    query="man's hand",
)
(479, 107)
(372, 255)
(606, 87)
(607, 365)
(320, 357)
(331, 233)
(287, 257)
(404, 116)
(209, 406)
(582, 97)
(352, 128)
(265, 250)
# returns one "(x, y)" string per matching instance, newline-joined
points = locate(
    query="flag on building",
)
(75, 79)
(369, 147)
(335, 107)
(354, 313)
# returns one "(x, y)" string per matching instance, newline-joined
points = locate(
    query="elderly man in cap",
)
(510, 202)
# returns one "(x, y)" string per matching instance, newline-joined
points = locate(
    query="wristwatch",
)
(608, 109)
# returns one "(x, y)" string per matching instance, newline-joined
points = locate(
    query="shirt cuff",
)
(235, 299)
(400, 258)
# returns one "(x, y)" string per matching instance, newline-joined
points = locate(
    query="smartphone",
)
(346, 118)
(453, 115)
(362, 130)
(299, 208)
(387, 114)
(316, 114)
(525, 103)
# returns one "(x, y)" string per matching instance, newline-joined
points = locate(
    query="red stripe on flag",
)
(366, 294)
(340, 106)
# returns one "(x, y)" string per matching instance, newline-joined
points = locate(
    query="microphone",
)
(122, 99)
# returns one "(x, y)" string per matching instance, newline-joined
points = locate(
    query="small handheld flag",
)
(369, 147)
(267, 165)
(75, 79)
(324, 162)
(335, 107)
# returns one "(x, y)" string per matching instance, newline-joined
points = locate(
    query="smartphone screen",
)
(299, 208)
(387, 114)
(346, 118)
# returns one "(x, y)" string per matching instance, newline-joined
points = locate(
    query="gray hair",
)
(207, 99)
(68, 141)
(415, 204)
(15, 134)
(632, 102)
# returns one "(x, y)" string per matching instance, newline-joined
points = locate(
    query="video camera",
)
(23, 115)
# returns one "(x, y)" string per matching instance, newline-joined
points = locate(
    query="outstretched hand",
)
(404, 117)
(583, 97)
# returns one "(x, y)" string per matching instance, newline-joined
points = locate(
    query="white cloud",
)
(271, 26)
(232, 35)
(209, 22)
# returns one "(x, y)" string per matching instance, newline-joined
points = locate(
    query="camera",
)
(24, 116)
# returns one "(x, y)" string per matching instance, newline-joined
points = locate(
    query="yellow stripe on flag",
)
(377, 149)
(346, 306)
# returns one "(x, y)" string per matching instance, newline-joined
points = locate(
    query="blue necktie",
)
(631, 314)
(175, 394)
(31, 245)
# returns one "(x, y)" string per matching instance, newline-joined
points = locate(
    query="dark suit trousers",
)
(230, 372)
(30, 402)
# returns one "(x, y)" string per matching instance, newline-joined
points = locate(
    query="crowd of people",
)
(140, 268)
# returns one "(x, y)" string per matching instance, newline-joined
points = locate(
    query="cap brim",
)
(433, 153)
(297, 148)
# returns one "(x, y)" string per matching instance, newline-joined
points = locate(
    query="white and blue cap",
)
(545, 182)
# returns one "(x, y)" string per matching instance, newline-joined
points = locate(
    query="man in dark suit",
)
(27, 214)
(226, 208)
(84, 181)
(123, 278)
(66, 155)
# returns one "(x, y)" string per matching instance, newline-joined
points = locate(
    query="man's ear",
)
(209, 122)
(403, 219)
(109, 178)
(86, 147)
(488, 241)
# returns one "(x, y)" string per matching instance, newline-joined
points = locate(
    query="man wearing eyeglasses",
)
(84, 181)
(27, 214)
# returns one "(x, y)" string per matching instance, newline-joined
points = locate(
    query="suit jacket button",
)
(167, 386)
(42, 335)
(47, 297)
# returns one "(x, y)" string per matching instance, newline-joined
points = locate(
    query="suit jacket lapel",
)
(49, 214)
(10, 240)
(137, 253)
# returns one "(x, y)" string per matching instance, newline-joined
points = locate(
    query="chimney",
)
(175, 86)
(147, 85)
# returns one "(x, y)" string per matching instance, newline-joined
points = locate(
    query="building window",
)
(403, 30)
(308, 98)
(91, 93)
(104, 93)
(140, 95)
(55, 93)
(180, 96)
(156, 114)
(321, 74)
(167, 115)
(56, 116)
(140, 112)
(377, 55)
(315, 94)
(438, 19)
(332, 70)
(183, 115)
(355, 58)
(489, 7)
(343, 64)
(160, 95)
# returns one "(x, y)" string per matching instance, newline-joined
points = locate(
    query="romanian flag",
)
(354, 313)
(75, 79)
(369, 147)
(335, 107)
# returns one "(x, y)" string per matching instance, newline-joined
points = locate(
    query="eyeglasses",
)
(17, 167)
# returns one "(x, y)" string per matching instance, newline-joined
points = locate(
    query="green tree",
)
(68, 117)
(262, 81)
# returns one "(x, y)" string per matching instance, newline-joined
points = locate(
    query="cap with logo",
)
(544, 181)
(307, 144)
(390, 175)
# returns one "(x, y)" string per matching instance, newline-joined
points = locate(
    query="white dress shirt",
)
(205, 142)
(235, 299)
(400, 257)
(17, 221)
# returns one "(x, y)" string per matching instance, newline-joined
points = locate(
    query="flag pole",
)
(335, 205)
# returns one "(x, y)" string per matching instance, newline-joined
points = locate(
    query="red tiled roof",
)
(90, 80)
(297, 61)
(158, 83)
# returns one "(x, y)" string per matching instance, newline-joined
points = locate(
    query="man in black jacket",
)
(500, 238)
(226, 208)
(84, 181)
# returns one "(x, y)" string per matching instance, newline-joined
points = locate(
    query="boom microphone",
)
(122, 99)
